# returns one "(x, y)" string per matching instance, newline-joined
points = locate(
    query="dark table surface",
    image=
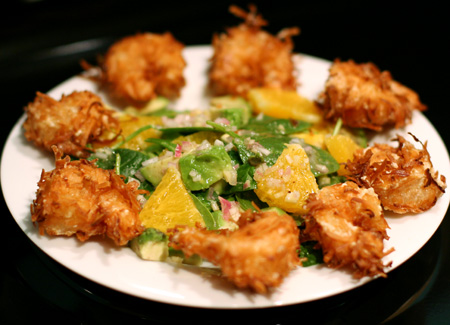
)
(37, 53)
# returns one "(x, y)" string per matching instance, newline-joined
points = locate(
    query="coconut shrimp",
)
(348, 223)
(246, 57)
(71, 123)
(78, 198)
(257, 256)
(403, 176)
(364, 97)
(140, 67)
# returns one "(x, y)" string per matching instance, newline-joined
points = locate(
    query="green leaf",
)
(186, 130)
(133, 135)
(245, 200)
(126, 161)
(276, 126)
(309, 255)
(163, 143)
(275, 144)
(212, 221)
(245, 181)
(321, 161)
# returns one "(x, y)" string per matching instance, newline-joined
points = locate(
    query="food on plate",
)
(247, 57)
(258, 183)
(347, 222)
(402, 176)
(170, 204)
(342, 147)
(129, 124)
(141, 67)
(365, 97)
(289, 182)
(259, 255)
(81, 199)
(71, 123)
(283, 103)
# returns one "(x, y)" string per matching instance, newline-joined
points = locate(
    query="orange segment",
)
(170, 205)
(288, 183)
(342, 148)
(130, 124)
(283, 104)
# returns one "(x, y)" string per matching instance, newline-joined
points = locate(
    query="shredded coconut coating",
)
(258, 256)
(71, 123)
(140, 67)
(78, 198)
(247, 57)
(349, 225)
(365, 97)
(403, 176)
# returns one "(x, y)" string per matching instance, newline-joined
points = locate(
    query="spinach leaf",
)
(130, 161)
(275, 144)
(276, 126)
(212, 220)
(166, 112)
(245, 200)
(160, 144)
(185, 130)
(309, 255)
(245, 181)
(245, 154)
(321, 161)
(207, 198)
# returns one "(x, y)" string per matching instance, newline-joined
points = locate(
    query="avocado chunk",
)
(151, 245)
(177, 256)
(154, 105)
(279, 211)
(234, 108)
(200, 169)
(154, 171)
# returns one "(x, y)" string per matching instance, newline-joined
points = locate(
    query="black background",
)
(41, 44)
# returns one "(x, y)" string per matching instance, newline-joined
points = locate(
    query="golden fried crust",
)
(364, 97)
(246, 57)
(70, 123)
(78, 198)
(140, 67)
(403, 176)
(348, 223)
(257, 256)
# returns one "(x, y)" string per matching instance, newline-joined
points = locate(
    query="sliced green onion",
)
(132, 135)
(117, 164)
(337, 127)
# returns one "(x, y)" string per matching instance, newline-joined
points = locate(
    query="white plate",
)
(122, 270)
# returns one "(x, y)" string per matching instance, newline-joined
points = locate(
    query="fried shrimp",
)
(247, 57)
(403, 176)
(364, 97)
(140, 67)
(348, 223)
(78, 198)
(257, 256)
(71, 123)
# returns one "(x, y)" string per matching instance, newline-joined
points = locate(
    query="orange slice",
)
(170, 205)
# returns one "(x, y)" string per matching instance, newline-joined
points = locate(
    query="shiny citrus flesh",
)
(170, 205)
(130, 124)
(289, 182)
(283, 104)
(342, 148)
